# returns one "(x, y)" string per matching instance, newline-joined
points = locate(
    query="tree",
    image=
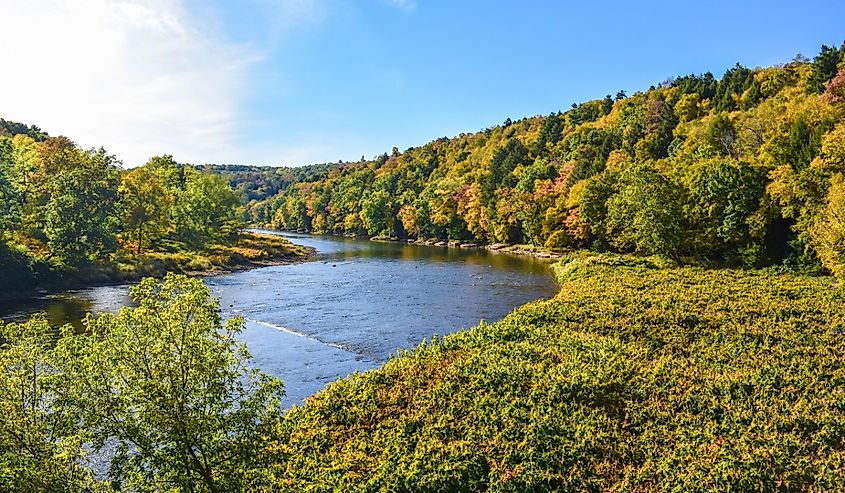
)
(8, 194)
(721, 134)
(591, 197)
(735, 82)
(207, 209)
(145, 204)
(375, 213)
(40, 444)
(500, 169)
(168, 383)
(79, 220)
(171, 173)
(834, 91)
(828, 232)
(644, 215)
(473, 211)
(724, 197)
(824, 67)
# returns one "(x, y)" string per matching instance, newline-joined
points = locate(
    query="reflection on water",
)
(69, 307)
(350, 308)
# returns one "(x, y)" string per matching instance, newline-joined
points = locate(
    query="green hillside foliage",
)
(67, 209)
(732, 171)
(637, 377)
(260, 182)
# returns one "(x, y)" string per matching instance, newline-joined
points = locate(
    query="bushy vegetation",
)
(731, 171)
(74, 214)
(638, 376)
(163, 388)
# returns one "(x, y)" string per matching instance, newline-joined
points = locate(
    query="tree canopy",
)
(729, 170)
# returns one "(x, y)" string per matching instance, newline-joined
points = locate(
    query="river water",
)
(349, 309)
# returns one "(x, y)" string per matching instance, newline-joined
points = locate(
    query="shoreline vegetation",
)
(244, 251)
(74, 217)
(638, 375)
(746, 170)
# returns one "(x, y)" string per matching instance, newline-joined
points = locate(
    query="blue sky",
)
(296, 81)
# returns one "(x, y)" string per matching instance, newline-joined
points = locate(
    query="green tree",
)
(40, 444)
(375, 213)
(79, 219)
(169, 384)
(171, 173)
(145, 205)
(644, 215)
(824, 67)
(592, 197)
(721, 134)
(8, 194)
(724, 197)
(207, 210)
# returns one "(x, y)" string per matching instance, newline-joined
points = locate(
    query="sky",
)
(295, 82)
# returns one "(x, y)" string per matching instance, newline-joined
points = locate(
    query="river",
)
(349, 309)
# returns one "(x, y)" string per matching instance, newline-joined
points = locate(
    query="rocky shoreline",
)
(523, 250)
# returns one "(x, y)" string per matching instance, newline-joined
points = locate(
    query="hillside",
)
(638, 376)
(72, 217)
(260, 182)
(734, 171)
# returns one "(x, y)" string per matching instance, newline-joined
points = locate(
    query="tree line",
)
(66, 208)
(742, 170)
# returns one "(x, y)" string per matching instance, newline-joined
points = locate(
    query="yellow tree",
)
(408, 217)
(828, 232)
(473, 211)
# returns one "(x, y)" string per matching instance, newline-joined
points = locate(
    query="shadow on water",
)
(69, 307)
(349, 309)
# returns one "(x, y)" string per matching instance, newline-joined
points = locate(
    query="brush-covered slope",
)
(633, 378)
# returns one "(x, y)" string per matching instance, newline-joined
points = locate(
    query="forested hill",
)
(75, 216)
(740, 170)
(260, 182)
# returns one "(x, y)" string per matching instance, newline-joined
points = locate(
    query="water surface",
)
(349, 309)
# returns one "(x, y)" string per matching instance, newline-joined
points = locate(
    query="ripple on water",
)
(351, 308)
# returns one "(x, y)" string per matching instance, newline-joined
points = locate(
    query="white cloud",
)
(139, 77)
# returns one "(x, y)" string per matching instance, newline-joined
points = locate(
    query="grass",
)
(247, 249)
(244, 250)
(637, 376)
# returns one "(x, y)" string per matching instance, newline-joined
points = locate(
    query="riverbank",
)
(511, 249)
(637, 376)
(248, 250)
